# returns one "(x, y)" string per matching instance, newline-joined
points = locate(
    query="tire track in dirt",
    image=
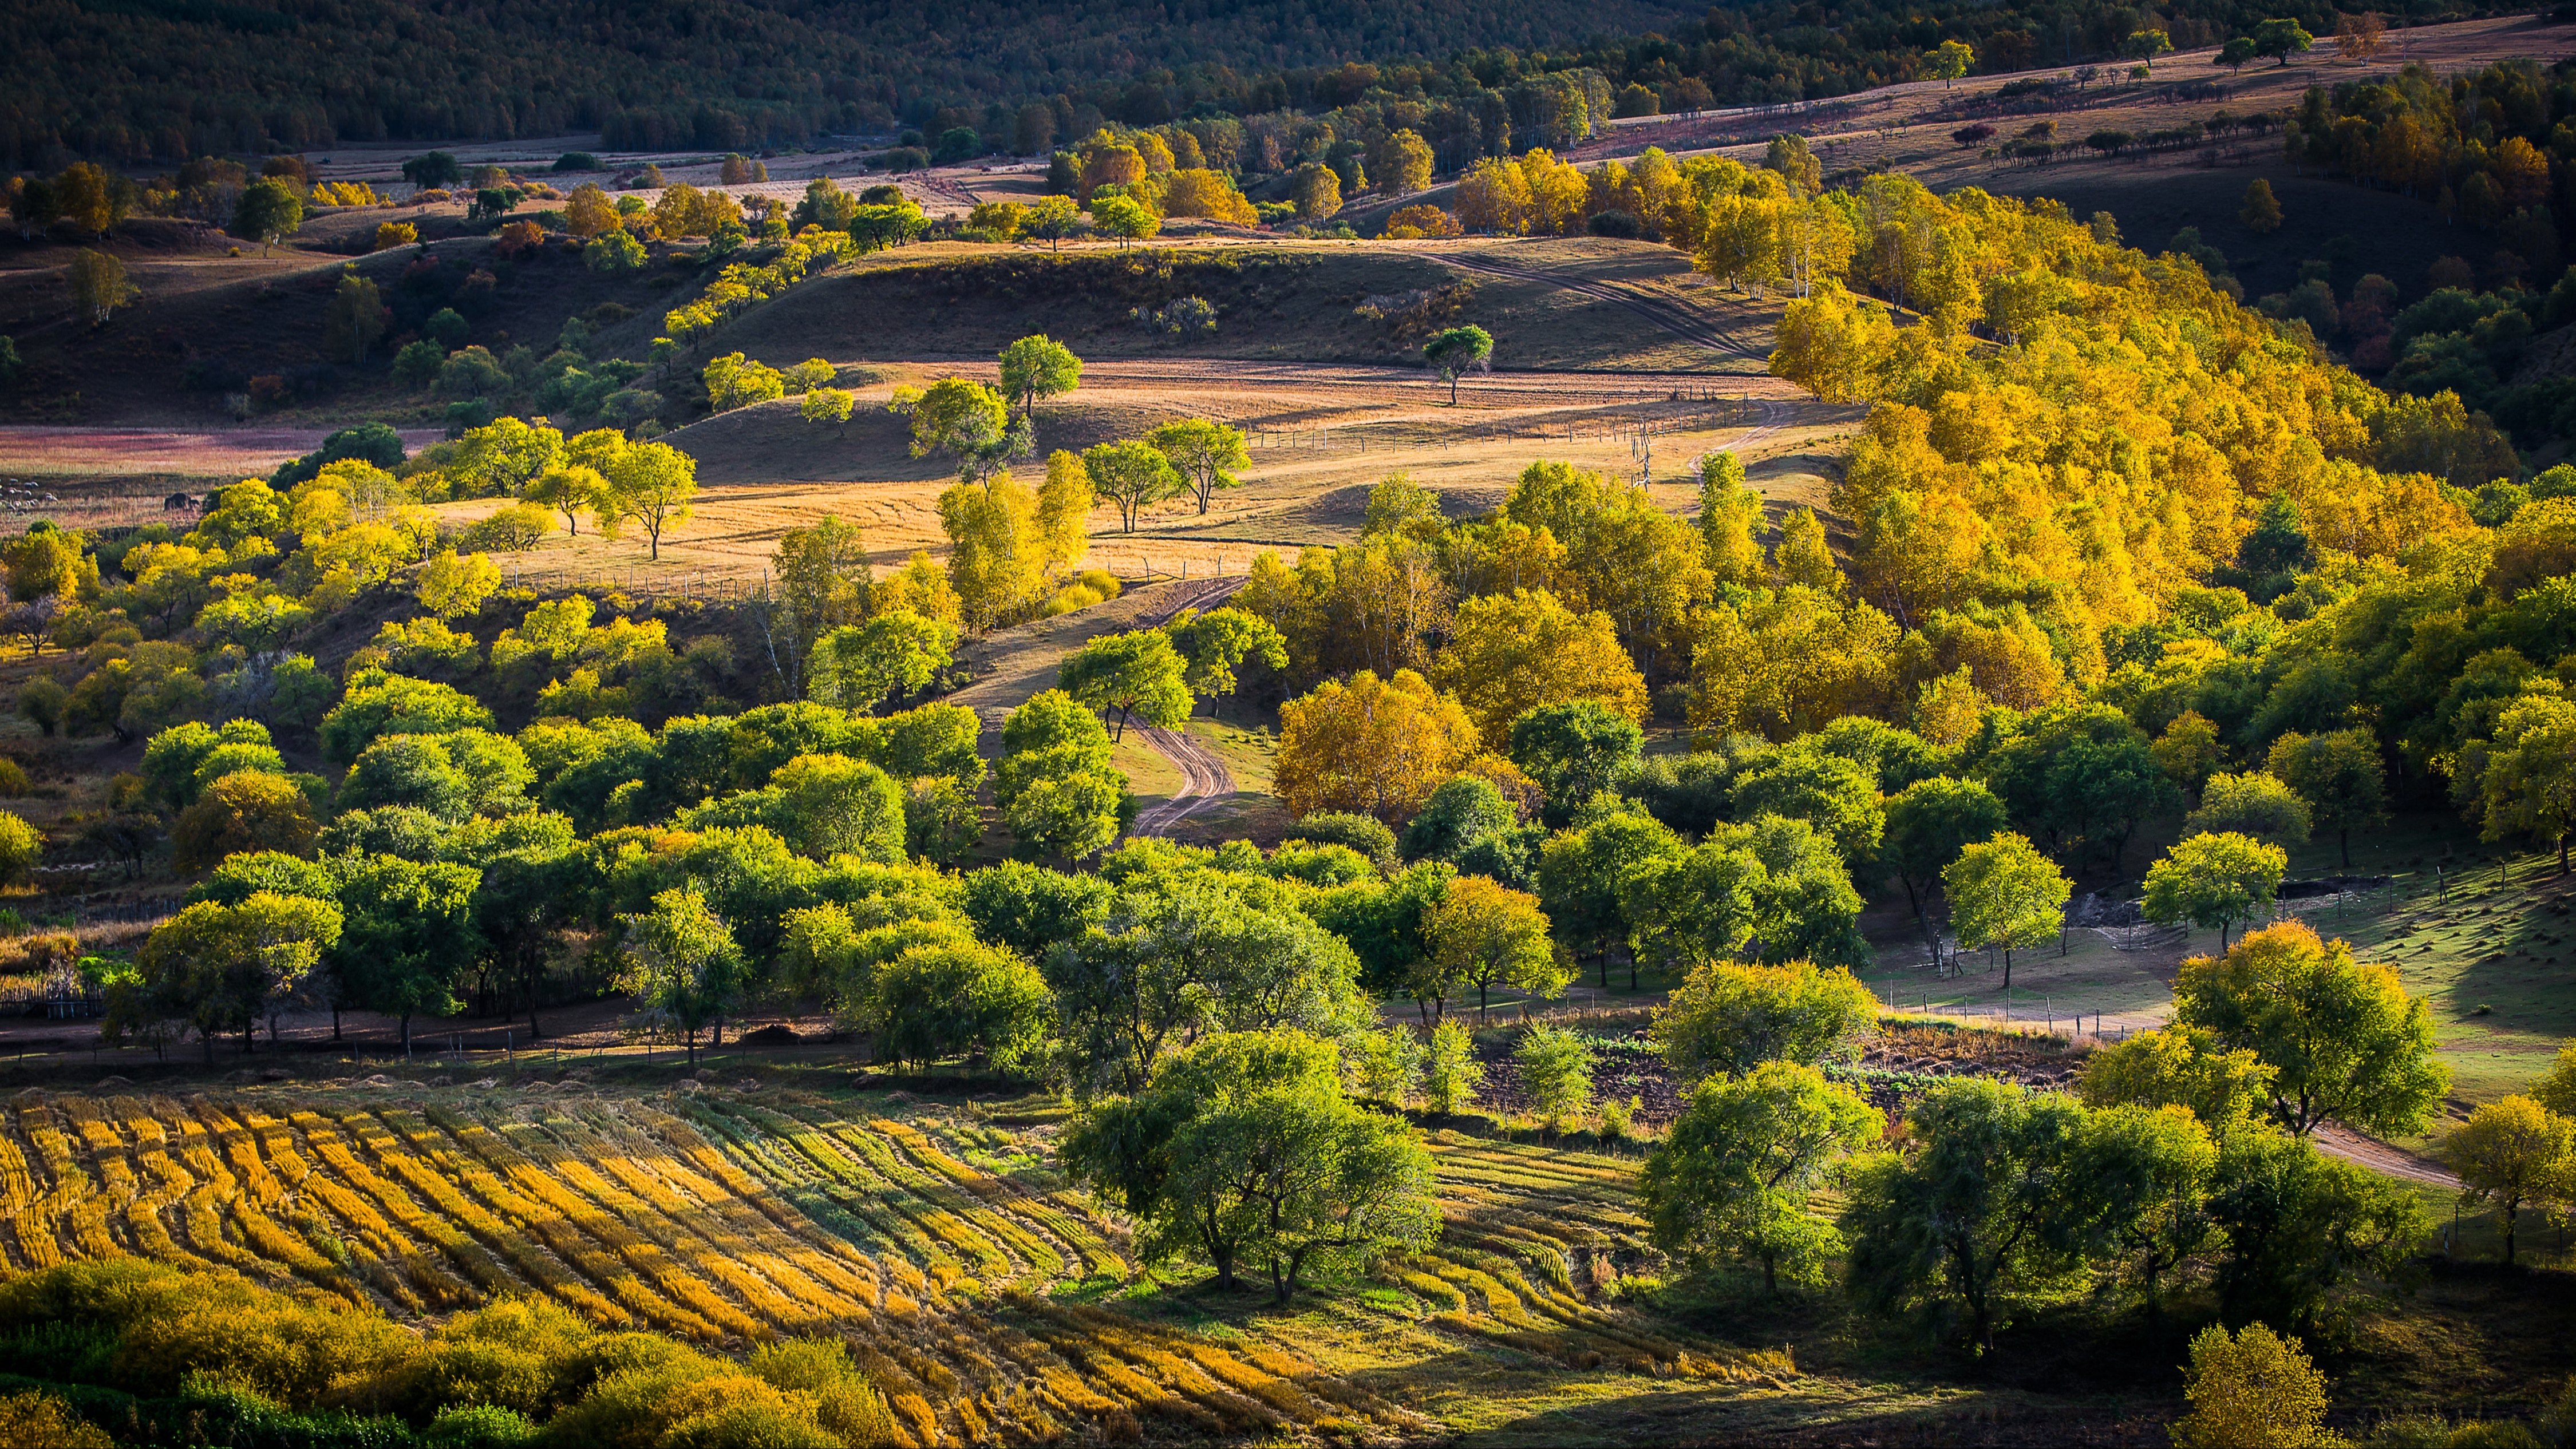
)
(1204, 778)
(1680, 322)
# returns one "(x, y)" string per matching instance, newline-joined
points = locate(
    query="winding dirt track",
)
(1204, 778)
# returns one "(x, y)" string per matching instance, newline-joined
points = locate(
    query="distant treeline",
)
(133, 81)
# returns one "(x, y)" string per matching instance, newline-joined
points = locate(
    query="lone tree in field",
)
(1247, 1152)
(1949, 62)
(1134, 474)
(268, 213)
(1204, 453)
(2281, 39)
(2262, 211)
(1038, 367)
(1456, 351)
(966, 420)
(2005, 893)
(2143, 46)
(98, 287)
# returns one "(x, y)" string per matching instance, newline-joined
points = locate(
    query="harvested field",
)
(982, 1294)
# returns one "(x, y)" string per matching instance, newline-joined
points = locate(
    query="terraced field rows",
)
(728, 1217)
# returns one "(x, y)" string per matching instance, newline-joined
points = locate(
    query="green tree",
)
(2153, 1169)
(1218, 642)
(2344, 1040)
(1465, 811)
(825, 806)
(1179, 959)
(1205, 454)
(1038, 367)
(1730, 521)
(1949, 61)
(823, 582)
(1051, 219)
(355, 319)
(1247, 1152)
(1485, 934)
(966, 420)
(2143, 46)
(2214, 881)
(964, 999)
(1728, 1018)
(1928, 824)
(1988, 1213)
(2295, 1223)
(2339, 775)
(1134, 474)
(218, 967)
(21, 846)
(2529, 784)
(2004, 893)
(1580, 873)
(651, 485)
(1455, 352)
(897, 653)
(2281, 39)
(378, 703)
(1137, 674)
(2261, 213)
(2254, 804)
(1125, 218)
(572, 492)
(450, 586)
(1054, 783)
(681, 964)
(408, 935)
(1735, 1176)
(2510, 1153)
(268, 212)
(1574, 751)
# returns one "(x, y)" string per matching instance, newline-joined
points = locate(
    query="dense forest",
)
(136, 80)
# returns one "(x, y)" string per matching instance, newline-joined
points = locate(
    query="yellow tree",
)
(996, 561)
(1064, 512)
(1373, 746)
(2254, 1388)
(1833, 344)
(1484, 934)
(1510, 654)
(2511, 1153)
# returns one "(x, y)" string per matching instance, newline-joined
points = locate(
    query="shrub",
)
(1556, 1071)
(1364, 833)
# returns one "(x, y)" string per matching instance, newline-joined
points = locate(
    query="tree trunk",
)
(2008, 974)
(689, 1040)
(2343, 838)
(335, 1021)
(406, 1035)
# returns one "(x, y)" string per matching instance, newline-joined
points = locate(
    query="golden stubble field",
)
(991, 1302)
